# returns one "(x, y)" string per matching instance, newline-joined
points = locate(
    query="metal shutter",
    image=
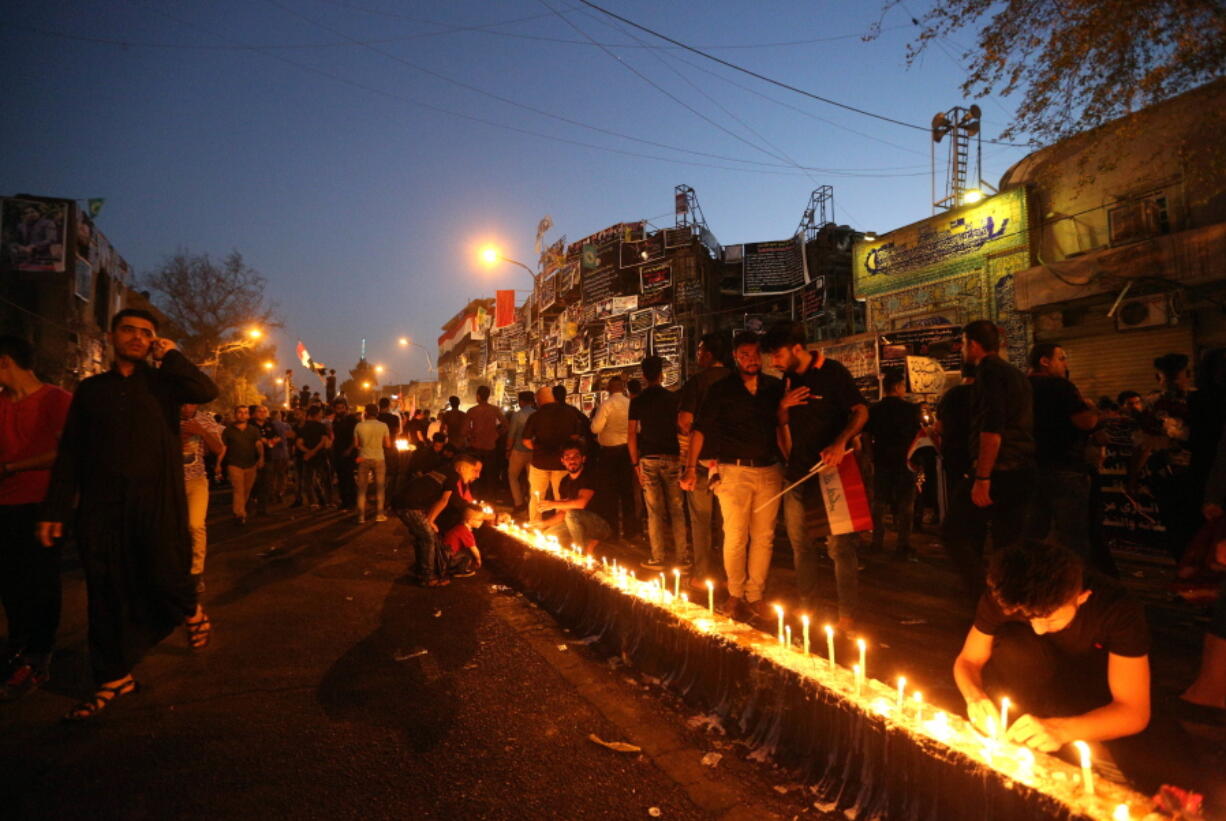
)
(1105, 364)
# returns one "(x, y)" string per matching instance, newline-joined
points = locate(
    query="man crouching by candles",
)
(1068, 647)
(573, 520)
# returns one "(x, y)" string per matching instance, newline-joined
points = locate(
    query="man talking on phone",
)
(120, 458)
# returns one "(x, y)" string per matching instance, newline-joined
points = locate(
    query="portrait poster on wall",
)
(32, 234)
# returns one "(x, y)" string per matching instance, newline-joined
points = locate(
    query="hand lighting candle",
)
(1087, 769)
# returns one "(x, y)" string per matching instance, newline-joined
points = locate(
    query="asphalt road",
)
(335, 688)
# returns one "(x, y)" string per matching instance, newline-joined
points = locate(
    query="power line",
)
(771, 80)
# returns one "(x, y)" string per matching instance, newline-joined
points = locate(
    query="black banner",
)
(940, 342)
(773, 267)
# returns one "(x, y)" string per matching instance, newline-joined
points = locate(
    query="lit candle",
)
(1121, 813)
(779, 613)
(1087, 770)
(863, 647)
(858, 675)
(804, 629)
(685, 598)
(919, 706)
(787, 637)
(902, 690)
(711, 596)
(676, 582)
(1004, 716)
(830, 646)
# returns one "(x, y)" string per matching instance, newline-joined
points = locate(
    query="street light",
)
(248, 339)
(492, 256)
(405, 342)
(269, 365)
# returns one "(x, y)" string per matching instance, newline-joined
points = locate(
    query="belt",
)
(659, 456)
(750, 463)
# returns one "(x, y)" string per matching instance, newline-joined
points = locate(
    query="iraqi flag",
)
(504, 308)
(846, 501)
(304, 356)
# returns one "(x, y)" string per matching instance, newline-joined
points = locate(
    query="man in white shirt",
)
(370, 437)
(616, 475)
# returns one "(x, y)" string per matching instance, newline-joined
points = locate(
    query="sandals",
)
(199, 631)
(102, 699)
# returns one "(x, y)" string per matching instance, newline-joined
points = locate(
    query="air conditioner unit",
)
(1144, 312)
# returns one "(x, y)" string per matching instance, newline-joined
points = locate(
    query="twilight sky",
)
(355, 153)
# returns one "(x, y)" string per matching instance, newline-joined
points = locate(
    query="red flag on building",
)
(504, 308)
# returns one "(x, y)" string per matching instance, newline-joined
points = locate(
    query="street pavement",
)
(336, 688)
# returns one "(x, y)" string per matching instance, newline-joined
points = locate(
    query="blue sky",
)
(309, 135)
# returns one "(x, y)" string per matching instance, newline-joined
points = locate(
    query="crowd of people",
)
(1009, 460)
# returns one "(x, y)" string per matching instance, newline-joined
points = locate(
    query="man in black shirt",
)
(997, 495)
(120, 465)
(344, 455)
(1069, 648)
(391, 456)
(312, 442)
(573, 520)
(652, 439)
(546, 432)
(1062, 419)
(330, 386)
(822, 411)
(244, 456)
(954, 429)
(738, 418)
(712, 354)
(893, 423)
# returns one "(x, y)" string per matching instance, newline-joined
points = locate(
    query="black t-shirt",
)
(1110, 621)
(392, 420)
(242, 445)
(655, 411)
(694, 393)
(461, 497)
(741, 424)
(550, 428)
(571, 485)
(342, 433)
(817, 423)
(1003, 405)
(893, 423)
(424, 459)
(1058, 442)
(954, 412)
(311, 433)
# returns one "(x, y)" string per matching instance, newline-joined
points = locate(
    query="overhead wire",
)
(764, 78)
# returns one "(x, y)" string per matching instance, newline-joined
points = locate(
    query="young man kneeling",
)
(573, 520)
(1068, 647)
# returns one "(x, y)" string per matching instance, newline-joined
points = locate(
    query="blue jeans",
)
(749, 532)
(841, 549)
(578, 527)
(662, 488)
(701, 503)
(427, 549)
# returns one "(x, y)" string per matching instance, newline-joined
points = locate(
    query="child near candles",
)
(461, 557)
(1069, 647)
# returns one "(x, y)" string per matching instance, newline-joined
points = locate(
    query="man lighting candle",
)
(1070, 646)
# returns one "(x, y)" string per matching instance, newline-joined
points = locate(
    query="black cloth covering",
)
(120, 458)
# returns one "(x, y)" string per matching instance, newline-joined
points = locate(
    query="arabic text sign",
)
(925, 375)
(945, 245)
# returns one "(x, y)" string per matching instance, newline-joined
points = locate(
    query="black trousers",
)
(618, 486)
(967, 527)
(29, 583)
(346, 478)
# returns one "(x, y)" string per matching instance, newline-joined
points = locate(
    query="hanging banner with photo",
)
(654, 282)
(32, 234)
(777, 267)
(642, 320)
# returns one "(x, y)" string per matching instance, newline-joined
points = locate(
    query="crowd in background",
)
(1005, 459)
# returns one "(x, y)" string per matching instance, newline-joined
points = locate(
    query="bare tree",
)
(217, 305)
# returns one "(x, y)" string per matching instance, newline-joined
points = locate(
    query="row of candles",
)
(655, 590)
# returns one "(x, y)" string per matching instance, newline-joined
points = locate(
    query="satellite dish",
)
(940, 126)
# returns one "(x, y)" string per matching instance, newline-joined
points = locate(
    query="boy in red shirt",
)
(461, 558)
(32, 415)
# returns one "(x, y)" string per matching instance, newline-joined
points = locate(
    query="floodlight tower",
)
(961, 125)
(819, 212)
